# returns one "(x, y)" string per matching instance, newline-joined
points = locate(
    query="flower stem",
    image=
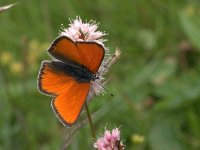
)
(90, 122)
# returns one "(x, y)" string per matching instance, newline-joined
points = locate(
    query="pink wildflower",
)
(79, 31)
(109, 141)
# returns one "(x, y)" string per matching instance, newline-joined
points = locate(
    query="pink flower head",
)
(109, 141)
(80, 31)
(87, 32)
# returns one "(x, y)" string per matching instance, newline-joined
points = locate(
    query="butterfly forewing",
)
(68, 105)
(92, 53)
(88, 54)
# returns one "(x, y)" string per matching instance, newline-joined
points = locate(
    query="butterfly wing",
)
(52, 81)
(92, 53)
(68, 105)
(69, 94)
(64, 48)
(88, 54)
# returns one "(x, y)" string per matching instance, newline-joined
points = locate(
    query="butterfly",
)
(67, 78)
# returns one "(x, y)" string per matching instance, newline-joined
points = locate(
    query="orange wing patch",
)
(70, 95)
(64, 48)
(92, 54)
(68, 105)
(88, 54)
(52, 81)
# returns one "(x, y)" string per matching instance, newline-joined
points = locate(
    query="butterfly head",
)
(96, 76)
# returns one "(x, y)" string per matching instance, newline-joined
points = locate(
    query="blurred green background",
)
(156, 82)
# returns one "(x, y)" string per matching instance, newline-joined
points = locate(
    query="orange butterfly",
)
(68, 77)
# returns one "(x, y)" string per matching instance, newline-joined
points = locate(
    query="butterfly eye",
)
(96, 76)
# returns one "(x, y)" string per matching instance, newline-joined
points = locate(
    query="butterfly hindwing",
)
(64, 48)
(52, 81)
(88, 54)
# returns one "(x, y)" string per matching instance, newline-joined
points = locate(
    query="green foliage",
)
(190, 23)
(156, 83)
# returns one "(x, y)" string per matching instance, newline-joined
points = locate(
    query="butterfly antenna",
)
(108, 92)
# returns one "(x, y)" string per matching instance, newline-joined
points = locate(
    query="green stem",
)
(90, 122)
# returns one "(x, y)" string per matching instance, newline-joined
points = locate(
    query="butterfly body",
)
(68, 77)
(79, 72)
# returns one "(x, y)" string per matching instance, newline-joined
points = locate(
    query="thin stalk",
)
(90, 122)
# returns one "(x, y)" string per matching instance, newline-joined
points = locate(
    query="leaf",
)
(4, 8)
(179, 92)
(162, 137)
(163, 71)
(190, 24)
